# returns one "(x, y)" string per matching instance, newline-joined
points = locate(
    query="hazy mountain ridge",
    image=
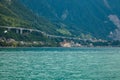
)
(80, 16)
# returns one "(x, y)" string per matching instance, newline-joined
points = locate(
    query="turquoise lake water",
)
(59, 63)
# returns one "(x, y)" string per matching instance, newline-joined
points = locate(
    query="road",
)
(39, 31)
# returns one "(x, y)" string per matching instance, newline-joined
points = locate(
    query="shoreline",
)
(64, 47)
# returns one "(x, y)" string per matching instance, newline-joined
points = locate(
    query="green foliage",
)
(15, 14)
(82, 16)
(64, 31)
(87, 36)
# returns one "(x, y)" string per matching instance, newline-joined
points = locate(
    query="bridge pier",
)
(17, 31)
(8, 29)
(21, 31)
(30, 30)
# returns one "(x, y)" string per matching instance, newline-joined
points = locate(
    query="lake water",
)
(59, 63)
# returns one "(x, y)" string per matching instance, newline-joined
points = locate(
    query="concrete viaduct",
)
(20, 30)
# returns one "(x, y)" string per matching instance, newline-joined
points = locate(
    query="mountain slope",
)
(79, 16)
(13, 13)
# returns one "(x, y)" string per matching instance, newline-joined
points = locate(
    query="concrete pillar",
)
(8, 29)
(21, 31)
(17, 31)
(30, 30)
